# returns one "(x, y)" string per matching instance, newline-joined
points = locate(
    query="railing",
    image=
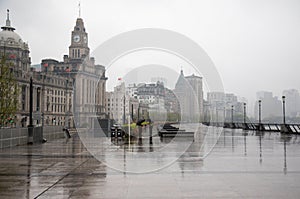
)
(284, 128)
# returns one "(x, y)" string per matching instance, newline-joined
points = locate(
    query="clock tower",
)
(79, 42)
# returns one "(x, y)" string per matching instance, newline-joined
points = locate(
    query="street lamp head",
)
(244, 104)
(259, 101)
(283, 97)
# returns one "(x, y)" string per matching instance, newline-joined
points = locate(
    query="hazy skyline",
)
(254, 44)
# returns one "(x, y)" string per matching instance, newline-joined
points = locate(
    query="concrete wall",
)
(19, 136)
(12, 137)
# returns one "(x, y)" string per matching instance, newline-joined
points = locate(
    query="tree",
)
(8, 93)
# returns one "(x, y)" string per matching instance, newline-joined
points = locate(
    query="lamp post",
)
(124, 100)
(260, 127)
(224, 114)
(138, 113)
(43, 101)
(66, 106)
(30, 126)
(132, 112)
(217, 116)
(244, 113)
(31, 102)
(232, 114)
(259, 112)
(283, 108)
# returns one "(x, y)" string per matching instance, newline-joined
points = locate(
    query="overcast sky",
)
(255, 44)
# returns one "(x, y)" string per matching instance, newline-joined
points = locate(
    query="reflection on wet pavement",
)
(241, 165)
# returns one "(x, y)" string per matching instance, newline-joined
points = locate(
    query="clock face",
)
(76, 38)
(85, 39)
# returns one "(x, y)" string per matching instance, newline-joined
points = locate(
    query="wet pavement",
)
(241, 165)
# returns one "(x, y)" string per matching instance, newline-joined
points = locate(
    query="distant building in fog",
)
(292, 99)
(196, 84)
(219, 105)
(160, 79)
(153, 100)
(188, 91)
(270, 106)
(151, 93)
(115, 103)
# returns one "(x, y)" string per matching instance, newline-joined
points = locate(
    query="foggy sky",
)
(254, 44)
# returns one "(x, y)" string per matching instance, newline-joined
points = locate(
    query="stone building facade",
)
(89, 81)
(51, 93)
(16, 53)
(76, 83)
(116, 102)
(188, 91)
(219, 107)
(197, 85)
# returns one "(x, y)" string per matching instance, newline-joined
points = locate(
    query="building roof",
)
(193, 76)
(181, 83)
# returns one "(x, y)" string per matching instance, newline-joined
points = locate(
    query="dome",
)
(7, 35)
(9, 38)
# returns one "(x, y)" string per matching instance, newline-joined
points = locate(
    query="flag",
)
(12, 56)
(120, 78)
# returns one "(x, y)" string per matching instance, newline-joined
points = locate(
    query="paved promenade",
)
(240, 166)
